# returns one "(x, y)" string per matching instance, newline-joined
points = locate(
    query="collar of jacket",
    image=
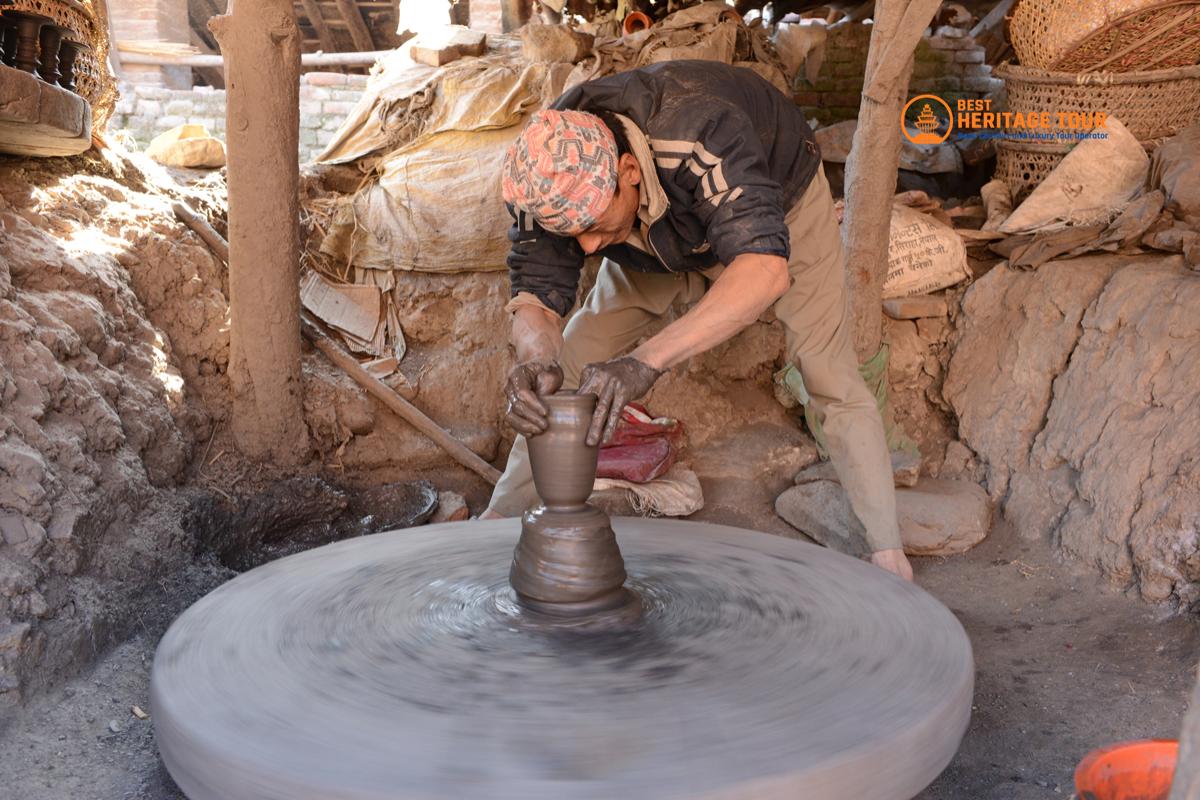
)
(652, 203)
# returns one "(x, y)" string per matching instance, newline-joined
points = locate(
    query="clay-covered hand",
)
(893, 561)
(614, 383)
(526, 413)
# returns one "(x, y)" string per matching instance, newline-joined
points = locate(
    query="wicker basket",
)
(1152, 105)
(1023, 165)
(1111, 35)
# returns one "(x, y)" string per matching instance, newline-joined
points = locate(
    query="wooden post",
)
(874, 159)
(312, 10)
(359, 32)
(1186, 785)
(260, 42)
(514, 14)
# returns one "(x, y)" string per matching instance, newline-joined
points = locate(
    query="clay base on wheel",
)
(401, 666)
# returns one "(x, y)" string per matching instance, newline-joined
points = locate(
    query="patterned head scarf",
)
(562, 170)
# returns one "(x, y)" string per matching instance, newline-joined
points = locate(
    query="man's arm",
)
(536, 338)
(536, 333)
(740, 294)
(745, 289)
(544, 273)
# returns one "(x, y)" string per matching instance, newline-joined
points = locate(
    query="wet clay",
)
(402, 665)
(567, 562)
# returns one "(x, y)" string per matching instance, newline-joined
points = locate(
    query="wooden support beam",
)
(312, 10)
(359, 32)
(874, 159)
(260, 42)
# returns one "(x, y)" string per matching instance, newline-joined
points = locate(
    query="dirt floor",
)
(1064, 664)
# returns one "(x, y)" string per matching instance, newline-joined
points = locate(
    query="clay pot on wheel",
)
(567, 562)
(564, 466)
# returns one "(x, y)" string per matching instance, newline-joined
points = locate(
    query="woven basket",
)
(1111, 35)
(1152, 105)
(1023, 165)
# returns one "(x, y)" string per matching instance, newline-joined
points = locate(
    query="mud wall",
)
(97, 285)
(1076, 387)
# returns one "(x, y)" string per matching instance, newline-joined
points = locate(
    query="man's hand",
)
(614, 383)
(893, 561)
(526, 413)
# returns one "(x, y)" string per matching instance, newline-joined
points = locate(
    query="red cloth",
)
(642, 448)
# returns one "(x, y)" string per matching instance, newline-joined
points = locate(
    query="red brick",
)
(844, 99)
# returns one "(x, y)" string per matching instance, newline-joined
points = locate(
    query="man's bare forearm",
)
(742, 292)
(536, 334)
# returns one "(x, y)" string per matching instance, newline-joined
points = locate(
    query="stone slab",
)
(39, 119)
(937, 517)
(436, 48)
(906, 469)
(916, 307)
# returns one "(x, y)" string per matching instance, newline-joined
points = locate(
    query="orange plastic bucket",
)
(1139, 770)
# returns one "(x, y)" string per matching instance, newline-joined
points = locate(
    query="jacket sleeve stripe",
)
(704, 157)
(673, 153)
(674, 147)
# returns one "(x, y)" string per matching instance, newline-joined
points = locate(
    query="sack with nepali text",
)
(924, 254)
(641, 448)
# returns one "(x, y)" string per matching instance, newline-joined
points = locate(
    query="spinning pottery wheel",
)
(404, 665)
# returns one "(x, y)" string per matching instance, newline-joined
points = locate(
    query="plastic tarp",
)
(406, 103)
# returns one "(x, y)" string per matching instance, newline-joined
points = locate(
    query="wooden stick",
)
(313, 11)
(359, 31)
(200, 225)
(378, 389)
(406, 410)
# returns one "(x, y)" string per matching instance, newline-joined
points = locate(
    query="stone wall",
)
(325, 100)
(948, 63)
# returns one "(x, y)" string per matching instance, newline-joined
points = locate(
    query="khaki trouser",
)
(816, 317)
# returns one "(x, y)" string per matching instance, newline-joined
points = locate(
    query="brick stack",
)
(948, 63)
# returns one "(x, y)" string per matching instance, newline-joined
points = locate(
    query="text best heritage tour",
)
(975, 114)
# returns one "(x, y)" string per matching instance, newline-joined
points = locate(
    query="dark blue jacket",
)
(732, 154)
